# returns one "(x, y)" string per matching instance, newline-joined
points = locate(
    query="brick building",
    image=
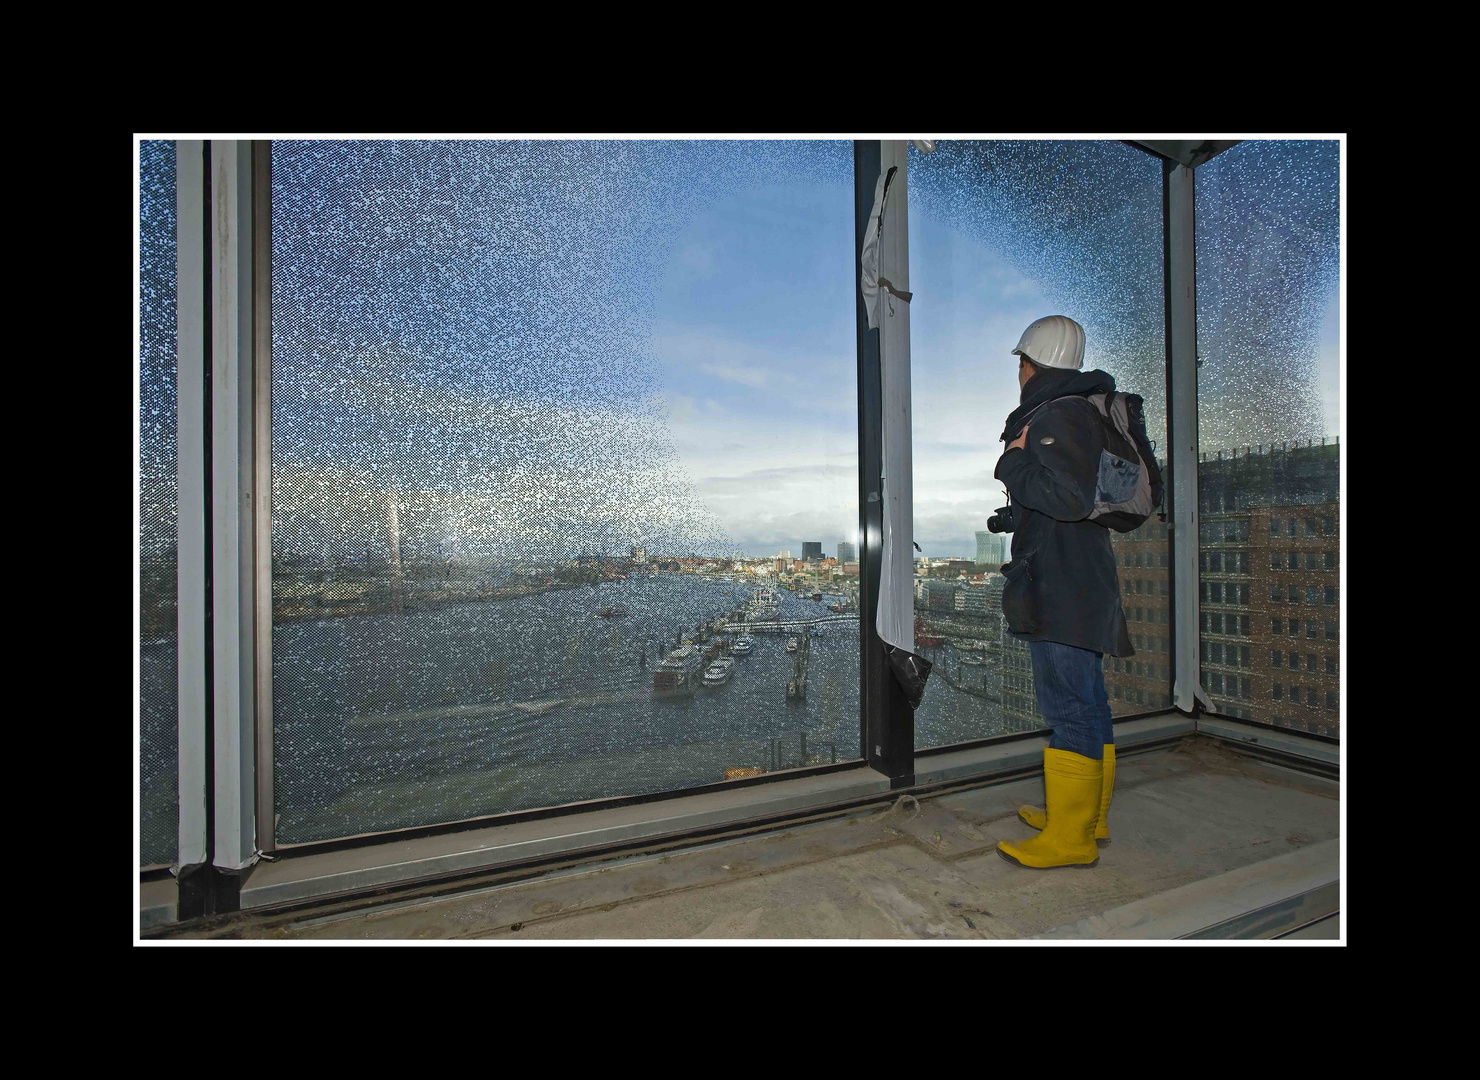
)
(1143, 682)
(1269, 556)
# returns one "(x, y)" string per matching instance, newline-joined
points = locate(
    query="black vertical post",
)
(1166, 481)
(886, 722)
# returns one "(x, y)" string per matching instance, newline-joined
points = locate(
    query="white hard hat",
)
(1055, 341)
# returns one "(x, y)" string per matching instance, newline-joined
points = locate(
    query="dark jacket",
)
(1062, 583)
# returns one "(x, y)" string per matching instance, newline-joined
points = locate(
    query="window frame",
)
(245, 189)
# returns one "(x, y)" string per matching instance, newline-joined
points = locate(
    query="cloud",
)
(751, 376)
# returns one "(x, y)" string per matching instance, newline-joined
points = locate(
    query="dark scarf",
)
(1050, 383)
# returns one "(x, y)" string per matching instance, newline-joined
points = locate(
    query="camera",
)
(1004, 520)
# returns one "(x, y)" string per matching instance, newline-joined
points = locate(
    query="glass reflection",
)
(565, 473)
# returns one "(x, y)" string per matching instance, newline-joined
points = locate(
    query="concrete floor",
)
(928, 870)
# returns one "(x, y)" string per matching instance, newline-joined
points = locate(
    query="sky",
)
(754, 330)
(573, 346)
(754, 325)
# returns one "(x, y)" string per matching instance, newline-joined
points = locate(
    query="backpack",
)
(1129, 487)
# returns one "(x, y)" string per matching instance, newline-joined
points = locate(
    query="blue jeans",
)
(1070, 686)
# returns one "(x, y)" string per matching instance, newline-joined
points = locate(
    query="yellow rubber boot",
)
(1102, 826)
(1037, 817)
(1073, 784)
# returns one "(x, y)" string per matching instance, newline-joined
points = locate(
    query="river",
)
(390, 721)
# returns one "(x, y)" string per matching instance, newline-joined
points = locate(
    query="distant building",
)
(972, 600)
(639, 554)
(1019, 702)
(847, 552)
(937, 595)
(1269, 555)
(811, 551)
(991, 548)
(951, 568)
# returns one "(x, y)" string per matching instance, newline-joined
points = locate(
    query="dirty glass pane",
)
(1268, 270)
(553, 423)
(159, 802)
(1003, 233)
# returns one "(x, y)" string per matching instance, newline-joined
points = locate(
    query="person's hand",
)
(1020, 441)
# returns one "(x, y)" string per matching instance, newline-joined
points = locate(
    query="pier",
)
(789, 626)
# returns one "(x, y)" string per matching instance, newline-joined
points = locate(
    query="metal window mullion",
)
(1183, 435)
(232, 521)
(190, 568)
(262, 470)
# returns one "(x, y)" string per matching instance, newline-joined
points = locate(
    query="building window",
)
(1310, 630)
(1312, 594)
(1243, 656)
(1310, 526)
(1310, 698)
(1310, 560)
(1274, 526)
(1277, 626)
(1330, 631)
(1275, 596)
(1331, 665)
(1245, 688)
(1276, 658)
(1294, 593)
(1330, 594)
(1277, 691)
(1274, 560)
(1331, 700)
(1330, 560)
(1294, 561)
(1310, 661)
(1290, 524)
(1328, 526)
(1243, 562)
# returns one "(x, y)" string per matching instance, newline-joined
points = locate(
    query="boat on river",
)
(718, 673)
(679, 672)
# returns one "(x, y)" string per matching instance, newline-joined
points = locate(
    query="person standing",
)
(1062, 593)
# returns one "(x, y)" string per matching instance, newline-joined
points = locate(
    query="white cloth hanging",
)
(883, 273)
